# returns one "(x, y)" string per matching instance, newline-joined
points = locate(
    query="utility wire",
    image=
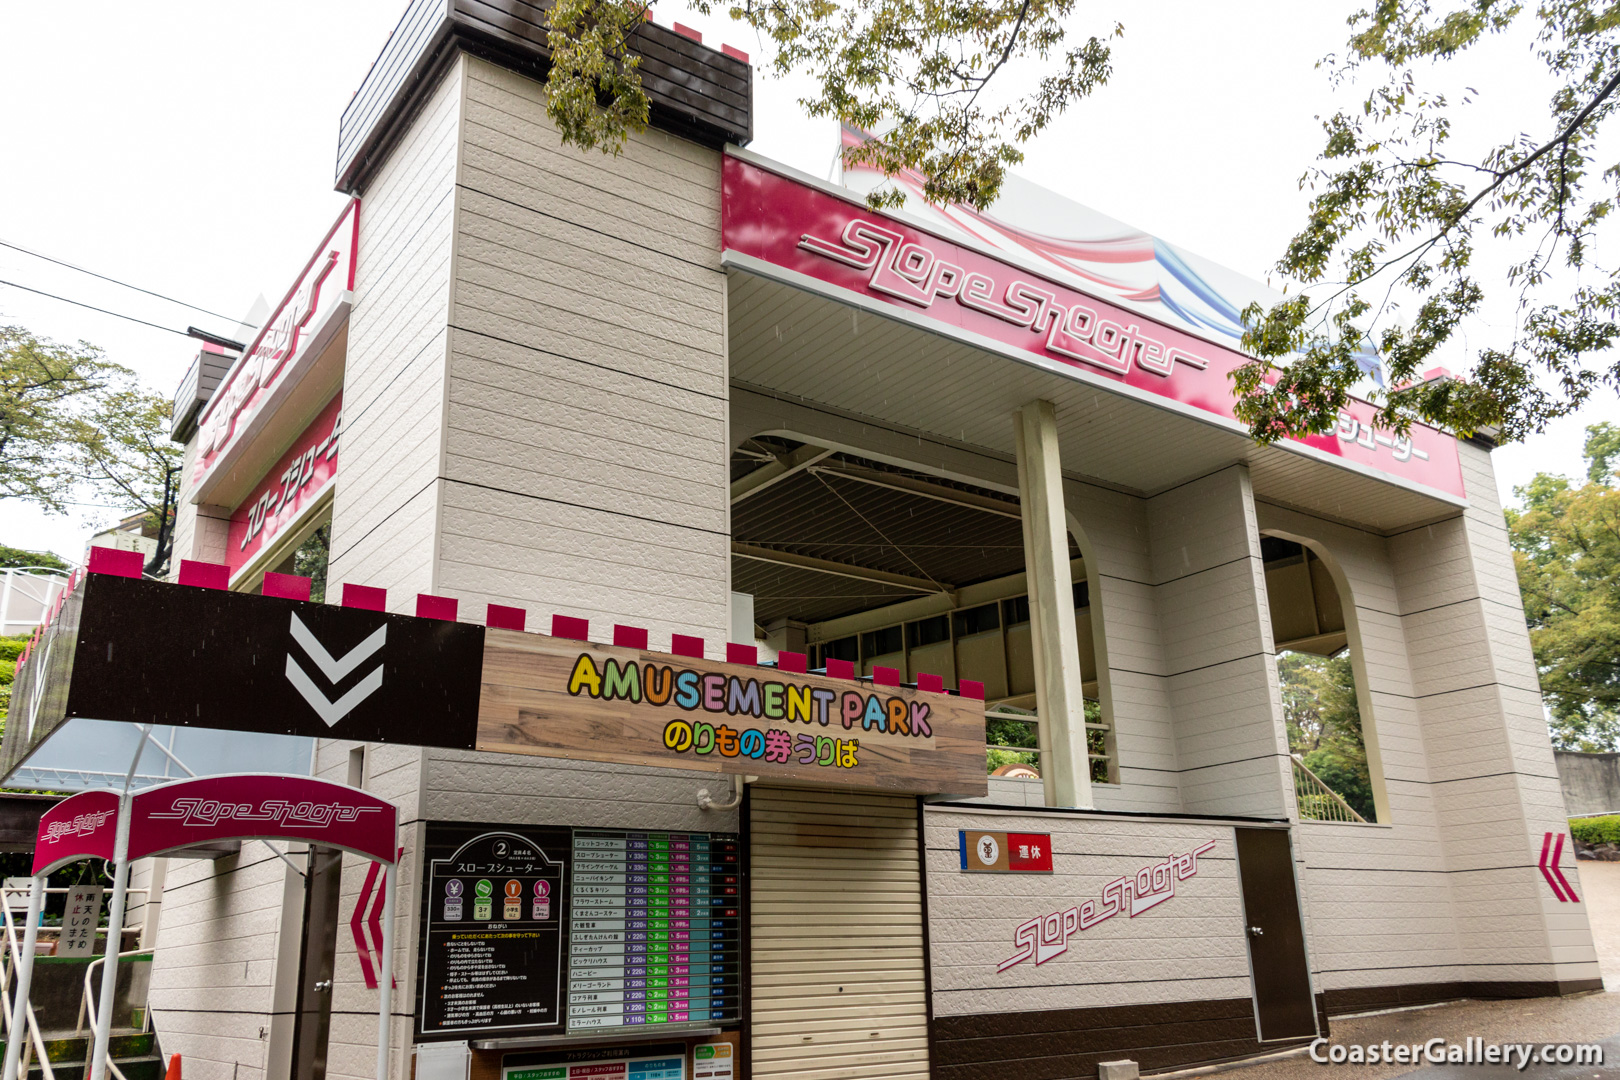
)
(92, 307)
(125, 284)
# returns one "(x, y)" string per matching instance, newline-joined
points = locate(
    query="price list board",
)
(655, 930)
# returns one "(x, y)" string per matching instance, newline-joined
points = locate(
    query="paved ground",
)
(1600, 883)
(1592, 1018)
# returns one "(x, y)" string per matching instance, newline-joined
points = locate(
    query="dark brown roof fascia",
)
(697, 93)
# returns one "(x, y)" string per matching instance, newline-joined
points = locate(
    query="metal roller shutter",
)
(838, 986)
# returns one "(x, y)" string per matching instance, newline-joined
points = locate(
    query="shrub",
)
(1596, 830)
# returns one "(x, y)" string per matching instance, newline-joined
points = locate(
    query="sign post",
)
(385, 972)
(115, 941)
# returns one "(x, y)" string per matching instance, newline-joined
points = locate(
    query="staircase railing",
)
(1317, 801)
(32, 1042)
(87, 1003)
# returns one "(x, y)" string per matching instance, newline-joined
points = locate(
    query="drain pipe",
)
(706, 801)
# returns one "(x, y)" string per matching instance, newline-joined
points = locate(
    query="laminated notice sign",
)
(713, 1061)
(79, 921)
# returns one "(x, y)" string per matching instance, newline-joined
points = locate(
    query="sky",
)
(188, 149)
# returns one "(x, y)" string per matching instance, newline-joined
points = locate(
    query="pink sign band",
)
(971, 296)
(214, 810)
(217, 809)
(81, 827)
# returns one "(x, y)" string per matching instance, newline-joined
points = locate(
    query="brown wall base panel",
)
(1057, 1044)
(1369, 998)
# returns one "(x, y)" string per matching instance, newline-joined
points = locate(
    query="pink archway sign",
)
(206, 810)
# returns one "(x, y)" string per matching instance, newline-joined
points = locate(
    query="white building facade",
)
(629, 389)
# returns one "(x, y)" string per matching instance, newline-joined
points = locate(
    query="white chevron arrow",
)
(335, 669)
(332, 711)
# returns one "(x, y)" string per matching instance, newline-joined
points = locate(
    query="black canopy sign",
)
(154, 653)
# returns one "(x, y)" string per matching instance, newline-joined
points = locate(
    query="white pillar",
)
(385, 972)
(1065, 768)
(17, 1031)
(109, 966)
(152, 912)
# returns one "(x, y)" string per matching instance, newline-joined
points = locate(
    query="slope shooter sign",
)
(974, 297)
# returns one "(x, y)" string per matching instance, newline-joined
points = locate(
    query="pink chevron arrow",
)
(362, 921)
(1551, 856)
(362, 948)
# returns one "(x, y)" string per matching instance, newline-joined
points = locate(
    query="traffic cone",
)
(174, 1068)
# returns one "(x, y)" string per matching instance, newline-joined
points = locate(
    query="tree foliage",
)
(1566, 547)
(15, 558)
(72, 421)
(10, 650)
(1324, 724)
(1396, 220)
(931, 78)
(122, 451)
(44, 388)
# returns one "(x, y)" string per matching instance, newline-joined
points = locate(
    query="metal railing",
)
(1029, 757)
(87, 1003)
(26, 596)
(34, 1046)
(32, 1042)
(1317, 801)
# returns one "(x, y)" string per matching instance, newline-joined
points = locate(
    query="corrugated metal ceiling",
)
(847, 511)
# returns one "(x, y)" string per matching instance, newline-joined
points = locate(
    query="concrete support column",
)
(1065, 767)
(1215, 622)
(1491, 773)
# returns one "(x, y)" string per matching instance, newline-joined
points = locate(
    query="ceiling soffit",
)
(787, 341)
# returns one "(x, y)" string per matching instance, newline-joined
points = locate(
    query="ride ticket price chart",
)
(655, 934)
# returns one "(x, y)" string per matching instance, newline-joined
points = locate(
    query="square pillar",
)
(1065, 767)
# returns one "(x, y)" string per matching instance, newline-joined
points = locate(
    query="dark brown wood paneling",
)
(375, 114)
(20, 814)
(1371, 998)
(1061, 1043)
(695, 91)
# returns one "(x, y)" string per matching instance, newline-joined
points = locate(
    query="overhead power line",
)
(92, 307)
(124, 284)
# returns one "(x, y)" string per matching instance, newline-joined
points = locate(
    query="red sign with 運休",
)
(1005, 852)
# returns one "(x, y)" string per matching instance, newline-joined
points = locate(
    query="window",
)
(928, 631)
(1333, 780)
(309, 559)
(991, 644)
(881, 642)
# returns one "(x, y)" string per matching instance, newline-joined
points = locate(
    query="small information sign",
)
(79, 921)
(648, 1063)
(1005, 852)
(713, 1061)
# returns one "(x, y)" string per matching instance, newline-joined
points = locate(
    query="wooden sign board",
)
(573, 699)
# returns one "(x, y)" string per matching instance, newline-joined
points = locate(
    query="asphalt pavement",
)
(1587, 1018)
